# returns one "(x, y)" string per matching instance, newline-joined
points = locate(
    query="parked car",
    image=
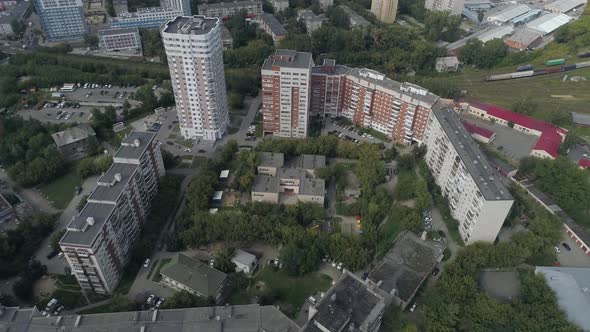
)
(60, 255)
(52, 254)
(567, 246)
(150, 299)
(58, 310)
(146, 263)
(435, 271)
(556, 249)
(413, 307)
(159, 303)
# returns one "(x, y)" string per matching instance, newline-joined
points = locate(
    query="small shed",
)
(218, 195)
(245, 262)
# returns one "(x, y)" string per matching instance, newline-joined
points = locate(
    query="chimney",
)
(136, 142)
(90, 221)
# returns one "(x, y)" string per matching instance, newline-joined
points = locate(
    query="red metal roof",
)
(551, 135)
(584, 163)
(475, 129)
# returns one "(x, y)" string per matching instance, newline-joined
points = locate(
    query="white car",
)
(150, 299)
(339, 266)
(212, 262)
(413, 307)
(146, 263)
(556, 249)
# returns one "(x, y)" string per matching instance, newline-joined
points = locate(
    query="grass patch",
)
(69, 299)
(279, 287)
(157, 277)
(387, 234)
(60, 191)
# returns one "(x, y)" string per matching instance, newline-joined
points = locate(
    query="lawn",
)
(60, 191)
(548, 91)
(285, 289)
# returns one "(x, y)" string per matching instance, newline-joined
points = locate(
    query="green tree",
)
(184, 299)
(223, 260)
(91, 41)
(55, 238)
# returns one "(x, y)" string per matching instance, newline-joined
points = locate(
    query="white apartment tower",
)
(455, 7)
(286, 93)
(477, 197)
(194, 50)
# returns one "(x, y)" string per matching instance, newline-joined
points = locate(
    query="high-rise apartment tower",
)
(62, 20)
(384, 10)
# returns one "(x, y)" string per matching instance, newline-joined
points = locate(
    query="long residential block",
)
(98, 241)
(477, 197)
(62, 20)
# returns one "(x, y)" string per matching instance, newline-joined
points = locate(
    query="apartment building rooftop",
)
(111, 184)
(273, 24)
(229, 4)
(135, 144)
(72, 135)
(192, 273)
(288, 59)
(409, 89)
(194, 25)
(271, 159)
(84, 227)
(329, 67)
(348, 306)
(266, 184)
(117, 31)
(406, 265)
(490, 186)
(241, 318)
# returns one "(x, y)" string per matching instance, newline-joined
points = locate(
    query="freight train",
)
(530, 73)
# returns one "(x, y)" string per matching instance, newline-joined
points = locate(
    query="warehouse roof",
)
(548, 23)
(72, 135)
(551, 135)
(524, 37)
(195, 275)
(564, 6)
(506, 14)
(495, 33)
(570, 285)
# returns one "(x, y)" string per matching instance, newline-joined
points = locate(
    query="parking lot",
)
(574, 257)
(348, 132)
(513, 144)
(76, 106)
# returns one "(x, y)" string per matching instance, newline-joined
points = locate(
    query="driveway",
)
(56, 265)
(332, 125)
(573, 258)
(439, 224)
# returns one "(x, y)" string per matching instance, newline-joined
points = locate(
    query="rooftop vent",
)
(136, 142)
(90, 221)
(118, 177)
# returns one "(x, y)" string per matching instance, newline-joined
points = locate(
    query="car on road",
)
(52, 254)
(169, 143)
(500, 147)
(435, 271)
(202, 151)
(413, 307)
(566, 246)
(146, 263)
(212, 262)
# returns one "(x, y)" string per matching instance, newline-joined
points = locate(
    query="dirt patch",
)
(44, 287)
(565, 97)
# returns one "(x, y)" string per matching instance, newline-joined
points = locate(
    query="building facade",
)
(62, 20)
(98, 241)
(151, 17)
(111, 40)
(195, 58)
(270, 25)
(286, 93)
(455, 7)
(327, 88)
(477, 197)
(227, 9)
(384, 10)
(72, 143)
(279, 5)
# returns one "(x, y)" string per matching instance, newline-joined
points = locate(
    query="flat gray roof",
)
(581, 119)
(288, 59)
(130, 150)
(314, 187)
(490, 185)
(14, 319)
(329, 67)
(241, 318)
(346, 306)
(275, 26)
(354, 17)
(112, 191)
(195, 25)
(265, 184)
(406, 265)
(229, 4)
(408, 89)
(311, 161)
(72, 135)
(243, 257)
(80, 232)
(120, 31)
(194, 274)
(271, 159)
(17, 12)
(571, 286)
